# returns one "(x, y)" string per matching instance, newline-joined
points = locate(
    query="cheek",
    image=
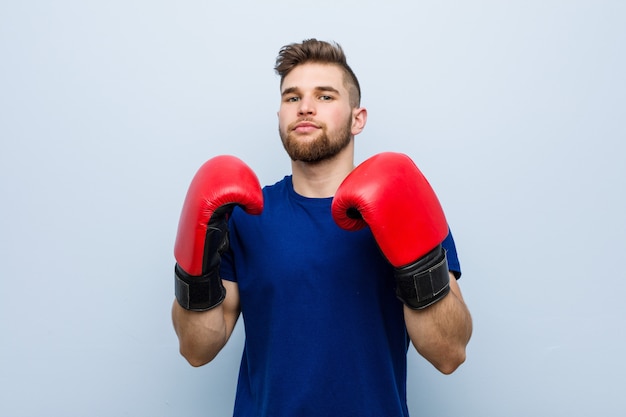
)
(281, 120)
(343, 121)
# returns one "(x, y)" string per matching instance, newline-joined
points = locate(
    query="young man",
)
(335, 270)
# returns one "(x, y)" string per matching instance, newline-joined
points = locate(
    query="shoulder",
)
(279, 187)
(273, 196)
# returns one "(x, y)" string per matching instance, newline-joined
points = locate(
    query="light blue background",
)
(515, 110)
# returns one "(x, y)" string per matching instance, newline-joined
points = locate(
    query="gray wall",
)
(514, 110)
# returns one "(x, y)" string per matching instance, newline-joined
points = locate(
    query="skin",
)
(317, 126)
(315, 103)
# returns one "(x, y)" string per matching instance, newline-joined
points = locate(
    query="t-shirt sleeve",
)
(453, 259)
(227, 271)
(227, 265)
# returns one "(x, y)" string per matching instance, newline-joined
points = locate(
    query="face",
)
(315, 120)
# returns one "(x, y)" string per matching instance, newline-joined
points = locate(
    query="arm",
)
(441, 331)
(206, 307)
(388, 193)
(202, 334)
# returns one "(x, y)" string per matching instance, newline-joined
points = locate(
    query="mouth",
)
(305, 127)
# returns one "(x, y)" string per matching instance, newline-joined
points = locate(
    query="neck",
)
(321, 179)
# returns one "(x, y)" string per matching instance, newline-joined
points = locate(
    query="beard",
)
(325, 146)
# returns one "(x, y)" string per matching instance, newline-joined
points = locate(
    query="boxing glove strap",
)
(198, 293)
(425, 281)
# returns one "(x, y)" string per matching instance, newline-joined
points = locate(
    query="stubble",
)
(313, 150)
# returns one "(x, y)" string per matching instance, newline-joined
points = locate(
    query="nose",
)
(306, 107)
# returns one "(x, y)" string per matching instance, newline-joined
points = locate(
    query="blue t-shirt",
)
(325, 333)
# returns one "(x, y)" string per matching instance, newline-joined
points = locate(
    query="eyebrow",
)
(321, 88)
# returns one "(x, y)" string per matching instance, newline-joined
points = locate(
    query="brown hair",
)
(312, 50)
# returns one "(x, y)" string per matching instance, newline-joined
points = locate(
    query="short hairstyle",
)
(321, 52)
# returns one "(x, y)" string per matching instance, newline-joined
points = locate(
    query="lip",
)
(305, 126)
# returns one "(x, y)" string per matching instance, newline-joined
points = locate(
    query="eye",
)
(291, 99)
(326, 98)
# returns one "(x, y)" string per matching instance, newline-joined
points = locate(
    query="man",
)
(328, 313)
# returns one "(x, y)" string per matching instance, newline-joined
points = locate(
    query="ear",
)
(359, 118)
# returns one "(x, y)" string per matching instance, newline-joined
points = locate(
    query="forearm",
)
(201, 335)
(441, 332)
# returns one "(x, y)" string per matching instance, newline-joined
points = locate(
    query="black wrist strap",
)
(198, 293)
(425, 281)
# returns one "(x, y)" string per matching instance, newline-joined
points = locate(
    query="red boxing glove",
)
(220, 184)
(389, 193)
